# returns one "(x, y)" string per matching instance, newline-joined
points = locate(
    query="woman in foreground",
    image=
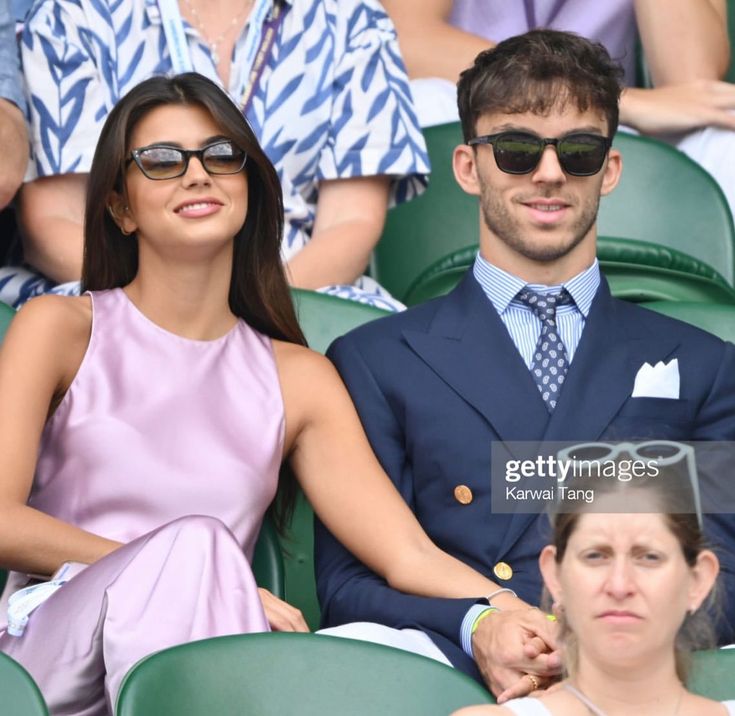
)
(628, 590)
(143, 425)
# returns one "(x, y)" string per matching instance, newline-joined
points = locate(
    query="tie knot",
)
(544, 305)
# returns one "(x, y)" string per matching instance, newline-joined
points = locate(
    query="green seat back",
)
(281, 673)
(268, 560)
(422, 231)
(6, 315)
(636, 270)
(712, 674)
(666, 198)
(322, 318)
(663, 198)
(716, 318)
(19, 695)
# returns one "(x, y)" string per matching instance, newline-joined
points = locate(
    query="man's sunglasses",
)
(162, 161)
(580, 154)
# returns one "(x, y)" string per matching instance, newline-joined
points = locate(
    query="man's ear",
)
(120, 213)
(612, 171)
(464, 163)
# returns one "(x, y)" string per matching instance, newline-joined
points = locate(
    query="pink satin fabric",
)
(172, 446)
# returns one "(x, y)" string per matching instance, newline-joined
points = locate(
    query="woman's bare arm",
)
(684, 40)
(350, 492)
(39, 357)
(430, 46)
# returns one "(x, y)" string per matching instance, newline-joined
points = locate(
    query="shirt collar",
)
(502, 287)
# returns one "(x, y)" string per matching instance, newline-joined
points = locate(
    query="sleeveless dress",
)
(530, 706)
(171, 446)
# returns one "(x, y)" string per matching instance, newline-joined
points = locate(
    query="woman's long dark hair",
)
(259, 292)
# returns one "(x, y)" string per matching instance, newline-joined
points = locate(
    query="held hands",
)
(679, 108)
(281, 615)
(513, 643)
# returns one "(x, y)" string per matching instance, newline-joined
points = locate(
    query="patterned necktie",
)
(550, 363)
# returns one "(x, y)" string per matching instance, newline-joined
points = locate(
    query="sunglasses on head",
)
(580, 154)
(162, 161)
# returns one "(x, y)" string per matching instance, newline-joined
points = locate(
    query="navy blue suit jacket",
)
(435, 385)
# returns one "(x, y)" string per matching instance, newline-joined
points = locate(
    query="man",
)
(436, 385)
(689, 104)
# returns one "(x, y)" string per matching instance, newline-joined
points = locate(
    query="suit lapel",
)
(469, 348)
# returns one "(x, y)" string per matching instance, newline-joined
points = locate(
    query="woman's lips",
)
(614, 616)
(199, 208)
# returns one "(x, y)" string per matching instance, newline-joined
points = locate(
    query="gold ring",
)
(534, 681)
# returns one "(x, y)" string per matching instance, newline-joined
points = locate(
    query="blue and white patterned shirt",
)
(332, 102)
(10, 87)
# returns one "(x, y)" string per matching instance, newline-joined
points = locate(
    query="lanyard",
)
(260, 37)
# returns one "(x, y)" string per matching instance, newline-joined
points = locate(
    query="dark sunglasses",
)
(580, 155)
(162, 161)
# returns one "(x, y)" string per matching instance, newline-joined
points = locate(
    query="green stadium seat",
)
(666, 198)
(268, 565)
(19, 695)
(284, 673)
(712, 672)
(636, 270)
(663, 198)
(6, 315)
(323, 318)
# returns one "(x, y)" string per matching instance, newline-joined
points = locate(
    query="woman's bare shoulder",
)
(59, 314)
(301, 364)
(50, 330)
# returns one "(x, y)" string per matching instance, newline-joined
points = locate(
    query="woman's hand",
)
(281, 615)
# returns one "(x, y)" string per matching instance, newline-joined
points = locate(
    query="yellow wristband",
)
(486, 613)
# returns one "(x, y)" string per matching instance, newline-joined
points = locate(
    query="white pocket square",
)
(657, 381)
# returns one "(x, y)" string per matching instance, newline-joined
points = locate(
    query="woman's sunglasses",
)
(580, 155)
(161, 161)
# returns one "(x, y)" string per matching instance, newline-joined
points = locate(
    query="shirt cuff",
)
(465, 631)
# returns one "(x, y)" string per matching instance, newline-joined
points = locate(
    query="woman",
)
(320, 81)
(142, 426)
(628, 589)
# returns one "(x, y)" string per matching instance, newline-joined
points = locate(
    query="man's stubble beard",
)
(507, 229)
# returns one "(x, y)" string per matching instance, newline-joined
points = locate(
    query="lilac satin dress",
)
(173, 447)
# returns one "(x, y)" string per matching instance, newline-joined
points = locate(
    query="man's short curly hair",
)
(537, 72)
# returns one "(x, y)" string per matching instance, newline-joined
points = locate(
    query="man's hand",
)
(679, 108)
(512, 643)
(281, 615)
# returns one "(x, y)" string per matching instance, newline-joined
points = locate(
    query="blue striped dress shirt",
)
(522, 323)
